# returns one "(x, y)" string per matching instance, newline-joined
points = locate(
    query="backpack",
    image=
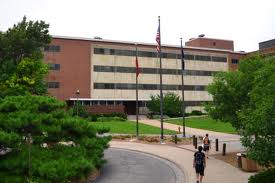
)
(199, 159)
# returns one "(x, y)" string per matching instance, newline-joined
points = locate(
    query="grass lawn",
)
(129, 127)
(205, 123)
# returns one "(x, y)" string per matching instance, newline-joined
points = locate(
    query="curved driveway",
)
(126, 166)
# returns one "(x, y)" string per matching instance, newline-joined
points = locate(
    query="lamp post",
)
(77, 93)
(182, 88)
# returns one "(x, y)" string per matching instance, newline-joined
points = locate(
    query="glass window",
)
(52, 48)
(86, 102)
(94, 102)
(188, 57)
(102, 102)
(171, 55)
(219, 59)
(202, 58)
(99, 51)
(53, 66)
(110, 102)
(234, 61)
(53, 84)
(131, 86)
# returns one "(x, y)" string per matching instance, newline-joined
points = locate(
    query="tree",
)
(172, 104)
(23, 43)
(48, 123)
(246, 98)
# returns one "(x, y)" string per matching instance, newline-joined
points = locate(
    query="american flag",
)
(158, 39)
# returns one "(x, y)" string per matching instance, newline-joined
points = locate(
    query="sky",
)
(246, 22)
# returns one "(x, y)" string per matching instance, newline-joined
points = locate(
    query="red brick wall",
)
(233, 67)
(211, 43)
(268, 51)
(106, 109)
(75, 65)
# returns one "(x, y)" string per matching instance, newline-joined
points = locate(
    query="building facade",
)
(104, 71)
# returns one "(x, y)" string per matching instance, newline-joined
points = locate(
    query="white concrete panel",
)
(206, 66)
(145, 94)
(107, 77)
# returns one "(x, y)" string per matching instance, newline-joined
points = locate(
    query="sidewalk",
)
(216, 170)
(223, 137)
(232, 141)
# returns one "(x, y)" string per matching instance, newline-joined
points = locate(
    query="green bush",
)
(96, 116)
(172, 104)
(93, 118)
(121, 115)
(82, 111)
(103, 129)
(102, 119)
(48, 122)
(263, 177)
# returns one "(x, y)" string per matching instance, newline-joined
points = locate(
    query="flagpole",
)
(137, 108)
(160, 87)
(182, 89)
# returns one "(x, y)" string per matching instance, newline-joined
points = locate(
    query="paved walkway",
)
(232, 141)
(127, 166)
(193, 131)
(216, 171)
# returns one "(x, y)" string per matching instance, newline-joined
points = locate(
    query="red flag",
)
(137, 67)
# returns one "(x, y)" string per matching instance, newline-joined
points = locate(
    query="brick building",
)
(104, 71)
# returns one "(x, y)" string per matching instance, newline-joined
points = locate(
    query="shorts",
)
(200, 170)
(206, 147)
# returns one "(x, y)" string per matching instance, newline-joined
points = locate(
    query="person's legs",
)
(197, 174)
(198, 178)
(201, 177)
(207, 152)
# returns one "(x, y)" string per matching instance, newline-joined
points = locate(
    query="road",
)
(127, 166)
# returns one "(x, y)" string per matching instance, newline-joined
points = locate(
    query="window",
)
(234, 61)
(131, 86)
(219, 59)
(171, 55)
(102, 102)
(86, 102)
(100, 68)
(53, 84)
(52, 48)
(110, 102)
(131, 53)
(99, 51)
(94, 102)
(188, 57)
(202, 58)
(54, 66)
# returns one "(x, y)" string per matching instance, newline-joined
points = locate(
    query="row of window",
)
(141, 103)
(53, 84)
(100, 68)
(52, 48)
(53, 66)
(130, 86)
(107, 51)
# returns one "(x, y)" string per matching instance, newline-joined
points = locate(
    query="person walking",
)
(199, 164)
(206, 145)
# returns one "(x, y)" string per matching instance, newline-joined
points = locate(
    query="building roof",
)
(146, 44)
